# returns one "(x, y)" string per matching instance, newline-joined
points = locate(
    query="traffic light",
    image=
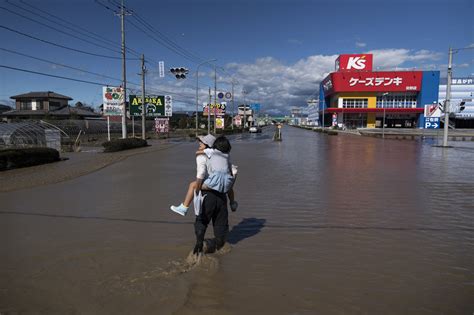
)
(179, 72)
(462, 106)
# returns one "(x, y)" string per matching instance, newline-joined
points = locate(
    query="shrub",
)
(16, 158)
(332, 133)
(123, 144)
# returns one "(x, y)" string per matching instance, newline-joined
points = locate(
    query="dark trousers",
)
(214, 208)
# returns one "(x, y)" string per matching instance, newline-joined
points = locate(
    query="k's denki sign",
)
(354, 62)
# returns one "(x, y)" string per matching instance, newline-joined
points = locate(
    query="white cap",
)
(207, 140)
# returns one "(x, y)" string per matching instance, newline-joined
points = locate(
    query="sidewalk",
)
(77, 164)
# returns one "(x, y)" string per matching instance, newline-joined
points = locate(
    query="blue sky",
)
(278, 51)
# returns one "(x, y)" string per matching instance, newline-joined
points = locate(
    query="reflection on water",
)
(325, 225)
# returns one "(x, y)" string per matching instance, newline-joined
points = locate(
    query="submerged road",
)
(326, 225)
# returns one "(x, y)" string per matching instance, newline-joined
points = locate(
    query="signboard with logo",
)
(155, 105)
(112, 98)
(432, 110)
(162, 125)
(386, 81)
(238, 121)
(354, 62)
(216, 109)
(220, 123)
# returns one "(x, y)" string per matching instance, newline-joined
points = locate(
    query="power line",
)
(75, 27)
(52, 75)
(58, 45)
(60, 31)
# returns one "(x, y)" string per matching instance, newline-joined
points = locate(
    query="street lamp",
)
(197, 89)
(384, 98)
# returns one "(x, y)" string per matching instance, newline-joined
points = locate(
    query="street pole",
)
(233, 106)
(447, 104)
(215, 97)
(143, 98)
(245, 109)
(197, 93)
(124, 74)
(384, 98)
(209, 113)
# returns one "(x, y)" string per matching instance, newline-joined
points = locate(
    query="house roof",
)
(47, 94)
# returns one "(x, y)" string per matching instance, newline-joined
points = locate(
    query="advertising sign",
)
(432, 110)
(168, 106)
(216, 109)
(155, 105)
(162, 125)
(220, 123)
(354, 62)
(237, 121)
(112, 98)
(387, 81)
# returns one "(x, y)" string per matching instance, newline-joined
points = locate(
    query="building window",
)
(54, 105)
(355, 102)
(396, 101)
(25, 105)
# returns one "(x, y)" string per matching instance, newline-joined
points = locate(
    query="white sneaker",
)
(181, 209)
(234, 170)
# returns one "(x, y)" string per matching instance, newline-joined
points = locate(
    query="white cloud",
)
(295, 41)
(279, 86)
(360, 44)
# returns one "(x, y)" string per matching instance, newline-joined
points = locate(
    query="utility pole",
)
(143, 98)
(447, 104)
(124, 74)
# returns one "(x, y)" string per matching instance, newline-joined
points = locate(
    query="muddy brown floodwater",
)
(325, 225)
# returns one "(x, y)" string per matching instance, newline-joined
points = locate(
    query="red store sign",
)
(354, 62)
(373, 82)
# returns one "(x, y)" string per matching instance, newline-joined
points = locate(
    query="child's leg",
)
(190, 194)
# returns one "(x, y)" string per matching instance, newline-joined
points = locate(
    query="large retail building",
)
(354, 96)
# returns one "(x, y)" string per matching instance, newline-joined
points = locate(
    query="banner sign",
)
(168, 106)
(112, 99)
(216, 109)
(155, 105)
(394, 81)
(162, 125)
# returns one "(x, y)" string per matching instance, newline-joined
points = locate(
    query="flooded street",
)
(326, 225)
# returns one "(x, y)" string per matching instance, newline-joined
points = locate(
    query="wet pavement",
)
(326, 225)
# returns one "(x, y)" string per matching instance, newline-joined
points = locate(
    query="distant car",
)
(255, 129)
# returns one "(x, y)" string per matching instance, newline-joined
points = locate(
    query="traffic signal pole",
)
(124, 74)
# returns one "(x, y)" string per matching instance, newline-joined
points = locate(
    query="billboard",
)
(112, 99)
(354, 62)
(162, 125)
(385, 81)
(156, 105)
(216, 109)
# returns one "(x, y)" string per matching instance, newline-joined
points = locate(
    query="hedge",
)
(123, 144)
(16, 158)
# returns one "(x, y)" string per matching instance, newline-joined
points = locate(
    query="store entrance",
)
(353, 121)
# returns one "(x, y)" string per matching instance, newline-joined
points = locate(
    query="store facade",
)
(354, 96)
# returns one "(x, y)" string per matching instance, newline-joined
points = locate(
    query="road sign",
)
(432, 122)
(220, 95)
(228, 95)
(161, 68)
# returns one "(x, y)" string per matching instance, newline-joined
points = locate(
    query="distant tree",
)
(183, 122)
